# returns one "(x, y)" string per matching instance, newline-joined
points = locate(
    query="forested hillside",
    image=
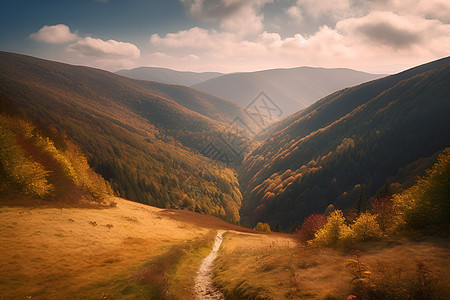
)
(40, 164)
(140, 138)
(350, 146)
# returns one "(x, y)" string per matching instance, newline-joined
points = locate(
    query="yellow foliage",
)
(48, 146)
(15, 166)
(262, 227)
(366, 227)
(19, 168)
(335, 231)
(426, 202)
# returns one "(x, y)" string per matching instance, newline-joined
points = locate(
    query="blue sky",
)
(381, 36)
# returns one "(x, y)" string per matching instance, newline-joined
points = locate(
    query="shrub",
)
(330, 208)
(426, 202)
(262, 227)
(383, 208)
(334, 231)
(366, 227)
(310, 226)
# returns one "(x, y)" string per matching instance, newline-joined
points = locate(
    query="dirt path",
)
(204, 288)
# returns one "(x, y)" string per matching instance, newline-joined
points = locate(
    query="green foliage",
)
(334, 232)
(262, 227)
(427, 202)
(366, 227)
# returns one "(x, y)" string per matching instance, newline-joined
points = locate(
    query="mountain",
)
(348, 147)
(290, 89)
(145, 138)
(169, 76)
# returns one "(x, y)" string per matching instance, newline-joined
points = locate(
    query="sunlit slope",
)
(146, 145)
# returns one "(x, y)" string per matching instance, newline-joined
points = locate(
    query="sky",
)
(377, 36)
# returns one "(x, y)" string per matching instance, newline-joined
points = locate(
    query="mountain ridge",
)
(169, 76)
(291, 89)
(346, 144)
(146, 145)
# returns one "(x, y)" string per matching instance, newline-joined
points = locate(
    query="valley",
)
(348, 196)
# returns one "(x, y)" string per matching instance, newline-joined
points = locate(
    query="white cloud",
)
(295, 13)
(374, 42)
(429, 9)
(241, 17)
(382, 28)
(55, 34)
(318, 8)
(99, 48)
(191, 57)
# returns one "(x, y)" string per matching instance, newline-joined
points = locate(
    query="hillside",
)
(38, 166)
(291, 89)
(169, 76)
(348, 146)
(144, 143)
(131, 251)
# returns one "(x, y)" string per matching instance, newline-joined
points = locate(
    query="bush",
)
(427, 202)
(330, 208)
(262, 227)
(334, 231)
(366, 227)
(383, 208)
(310, 226)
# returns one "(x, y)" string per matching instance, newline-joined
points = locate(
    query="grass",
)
(56, 253)
(136, 251)
(273, 266)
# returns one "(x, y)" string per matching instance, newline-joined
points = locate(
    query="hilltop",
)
(291, 89)
(164, 75)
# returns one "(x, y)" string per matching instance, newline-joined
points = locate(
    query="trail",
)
(204, 287)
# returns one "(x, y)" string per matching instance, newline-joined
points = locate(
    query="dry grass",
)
(133, 251)
(56, 253)
(273, 266)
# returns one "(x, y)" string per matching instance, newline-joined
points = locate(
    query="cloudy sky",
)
(379, 36)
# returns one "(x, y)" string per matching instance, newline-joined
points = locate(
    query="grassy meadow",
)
(268, 266)
(131, 251)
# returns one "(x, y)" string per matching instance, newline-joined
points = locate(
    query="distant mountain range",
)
(291, 89)
(355, 144)
(169, 76)
(145, 138)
